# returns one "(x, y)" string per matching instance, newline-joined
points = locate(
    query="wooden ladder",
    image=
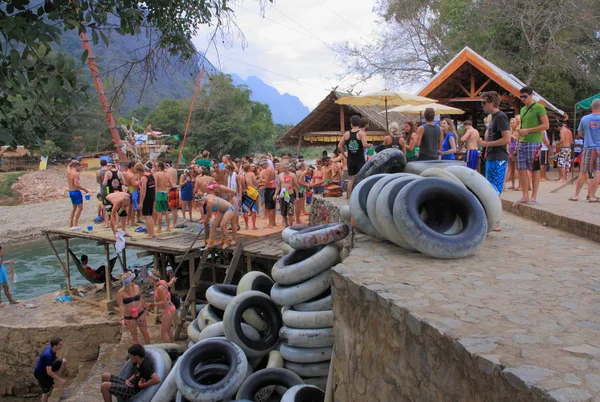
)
(190, 300)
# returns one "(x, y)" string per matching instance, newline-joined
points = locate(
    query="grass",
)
(7, 195)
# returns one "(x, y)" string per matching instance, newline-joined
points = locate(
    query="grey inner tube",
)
(320, 382)
(417, 167)
(232, 323)
(307, 319)
(305, 355)
(320, 235)
(307, 338)
(389, 160)
(290, 230)
(209, 315)
(385, 205)
(442, 174)
(220, 295)
(193, 331)
(374, 195)
(319, 303)
(309, 369)
(358, 205)
(158, 357)
(216, 330)
(444, 195)
(290, 295)
(264, 380)
(210, 373)
(303, 393)
(210, 351)
(301, 265)
(255, 280)
(483, 190)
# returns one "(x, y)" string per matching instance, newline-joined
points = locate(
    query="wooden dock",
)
(181, 252)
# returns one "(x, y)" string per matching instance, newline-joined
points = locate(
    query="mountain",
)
(286, 108)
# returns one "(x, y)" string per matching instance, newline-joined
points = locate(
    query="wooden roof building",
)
(10, 152)
(460, 82)
(328, 121)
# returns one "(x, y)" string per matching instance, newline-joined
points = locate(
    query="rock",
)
(526, 339)
(583, 350)
(525, 377)
(488, 363)
(569, 305)
(570, 394)
(525, 276)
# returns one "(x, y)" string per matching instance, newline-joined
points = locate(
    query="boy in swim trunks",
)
(119, 204)
(4, 279)
(163, 184)
(75, 193)
(471, 137)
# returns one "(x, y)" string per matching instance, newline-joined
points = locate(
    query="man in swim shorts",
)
(163, 184)
(49, 369)
(173, 191)
(143, 376)
(4, 279)
(497, 139)
(268, 175)
(132, 187)
(471, 137)
(119, 203)
(75, 190)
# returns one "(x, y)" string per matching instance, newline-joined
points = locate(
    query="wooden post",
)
(156, 262)
(107, 272)
(60, 263)
(192, 263)
(67, 267)
(248, 263)
(124, 261)
(342, 120)
(298, 145)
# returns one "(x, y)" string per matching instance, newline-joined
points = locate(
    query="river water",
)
(38, 271)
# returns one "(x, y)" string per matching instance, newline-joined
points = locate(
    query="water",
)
(38, 271)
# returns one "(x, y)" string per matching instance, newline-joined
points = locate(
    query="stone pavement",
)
(517, 321)
(555, 210)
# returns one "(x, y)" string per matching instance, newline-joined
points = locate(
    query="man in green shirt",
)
(203, 160)
(534, 121)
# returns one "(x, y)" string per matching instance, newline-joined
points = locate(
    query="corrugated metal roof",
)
(510, 79)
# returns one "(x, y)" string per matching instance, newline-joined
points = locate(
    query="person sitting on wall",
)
(143, 376)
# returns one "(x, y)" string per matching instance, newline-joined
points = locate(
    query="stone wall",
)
(384, 353)
(24, 335)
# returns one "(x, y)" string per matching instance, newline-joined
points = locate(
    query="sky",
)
(290, 48)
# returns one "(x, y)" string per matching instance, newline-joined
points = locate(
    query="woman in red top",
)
(162, 298)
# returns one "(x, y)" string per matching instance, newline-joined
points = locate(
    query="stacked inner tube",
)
(444, 212)
(303, 289)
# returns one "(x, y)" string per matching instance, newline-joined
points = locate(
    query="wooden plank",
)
(144, 254)
(68, 267)
(465, 90)
(88, 301)
(234, 262)
(485, 84)
(60, 263)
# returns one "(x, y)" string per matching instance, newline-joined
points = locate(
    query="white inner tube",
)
(309, 369)
(216, 330)
(307, 338)
(290, 295)
(442, 174)
(320, 303)
(220, 295)
(301, 265)
(307, 319)
(305, 355)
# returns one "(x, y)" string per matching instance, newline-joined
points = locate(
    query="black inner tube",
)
(269, 312)
(299, 255)
(211, 350)
(310, 394)
(262, 284)
(209, 374)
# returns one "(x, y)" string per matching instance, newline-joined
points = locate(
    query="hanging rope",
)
(187, 125)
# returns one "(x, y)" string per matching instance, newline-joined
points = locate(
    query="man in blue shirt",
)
(49, 369)
(589, 127)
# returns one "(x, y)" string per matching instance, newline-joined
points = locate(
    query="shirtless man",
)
(101, 187)
(287, 188)
(471, 137)
(268, 177)
(75, 193)
(163, 184)
(173, 191)
(336, 173)
(119, 204)
(564, 155)
(219, 174)
(132, 187)
(302, 186)
(327, 170)
(250, 180)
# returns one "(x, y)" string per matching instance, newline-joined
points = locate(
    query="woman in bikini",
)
(224, 214)
(131, 305)
(162, 298)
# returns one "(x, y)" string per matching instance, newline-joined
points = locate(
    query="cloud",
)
(290, 48)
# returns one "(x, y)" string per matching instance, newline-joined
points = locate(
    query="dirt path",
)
(48, 205)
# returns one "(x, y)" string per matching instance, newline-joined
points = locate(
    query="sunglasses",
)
(524, 96)
(483, 102)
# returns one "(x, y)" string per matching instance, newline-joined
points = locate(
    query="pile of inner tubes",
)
(303, 289)
(441, 208)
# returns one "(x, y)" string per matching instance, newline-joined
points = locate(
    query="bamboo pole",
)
(60, 263)
(68, 267)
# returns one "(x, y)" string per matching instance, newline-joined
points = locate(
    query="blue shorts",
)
(495, 173)
(472, 159)
(319, 190)
(3, 277)
(135, 199)
(76, 197)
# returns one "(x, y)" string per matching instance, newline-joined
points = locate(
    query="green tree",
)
(49, 149)
(169, 117)
(28, 28)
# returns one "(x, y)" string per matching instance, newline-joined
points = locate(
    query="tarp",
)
(587, 103)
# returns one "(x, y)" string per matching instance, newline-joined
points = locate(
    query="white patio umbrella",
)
(418, 109)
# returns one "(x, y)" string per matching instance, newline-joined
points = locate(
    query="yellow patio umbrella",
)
(418, 109)
(384, 98)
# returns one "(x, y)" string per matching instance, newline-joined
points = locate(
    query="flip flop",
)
(531, 202)
(521, 202)
(573, 199)
(141, 229)
(593, 201)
